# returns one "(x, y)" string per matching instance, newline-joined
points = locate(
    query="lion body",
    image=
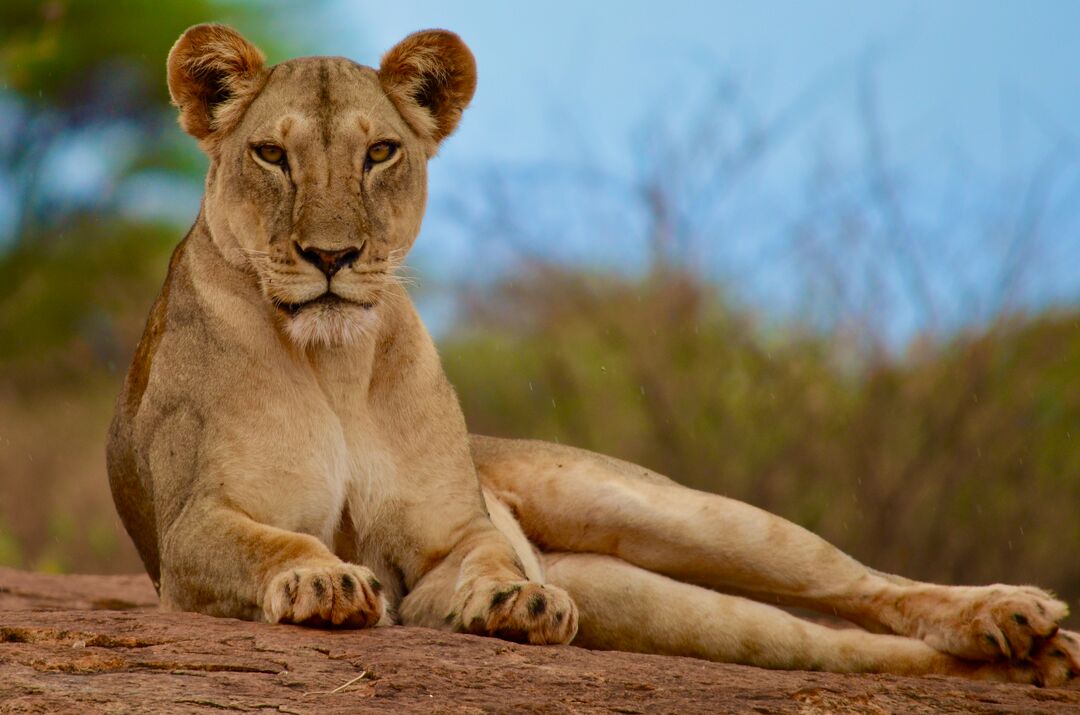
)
(287, 447)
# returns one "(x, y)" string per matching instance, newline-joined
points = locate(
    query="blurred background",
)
(822, 257)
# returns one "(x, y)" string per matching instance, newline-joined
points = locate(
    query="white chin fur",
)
(330, 325)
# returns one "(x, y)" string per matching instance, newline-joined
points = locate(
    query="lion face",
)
(322, 184)
(318, 173)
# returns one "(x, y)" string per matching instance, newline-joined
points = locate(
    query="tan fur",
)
(435, 72)
(213, 74)
(287, 447)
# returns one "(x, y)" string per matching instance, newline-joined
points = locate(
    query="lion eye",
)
(270, 153)
(380, 152)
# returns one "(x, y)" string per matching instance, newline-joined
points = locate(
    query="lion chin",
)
(328, 322)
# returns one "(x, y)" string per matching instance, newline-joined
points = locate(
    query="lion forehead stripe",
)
(326, 108)
(328, 90)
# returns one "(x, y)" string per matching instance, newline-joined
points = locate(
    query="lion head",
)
(318, 165)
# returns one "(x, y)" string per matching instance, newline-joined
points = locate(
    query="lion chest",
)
(307, 461)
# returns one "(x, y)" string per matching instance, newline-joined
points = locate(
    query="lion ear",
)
(430, 76)
(214, 73)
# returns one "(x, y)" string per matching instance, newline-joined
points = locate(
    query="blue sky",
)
(976, 104)
(946, 69)
(981, 95)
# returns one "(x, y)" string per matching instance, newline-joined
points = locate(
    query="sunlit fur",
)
(330, 325)
(287, 447)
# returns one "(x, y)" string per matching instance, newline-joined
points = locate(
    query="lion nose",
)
(329, 262)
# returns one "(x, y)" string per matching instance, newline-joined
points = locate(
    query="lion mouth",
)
(327, 300)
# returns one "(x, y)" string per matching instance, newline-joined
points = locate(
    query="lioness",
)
(287, 448)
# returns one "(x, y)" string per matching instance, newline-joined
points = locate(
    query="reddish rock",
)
(97, 644)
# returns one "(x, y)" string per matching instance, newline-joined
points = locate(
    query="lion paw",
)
(987, 622)
(1057, 659)
(520, 611)
(339, 595)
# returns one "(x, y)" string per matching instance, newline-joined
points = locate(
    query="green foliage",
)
(75, 282)
(10, 553)
(73, 72)
(50, 50)
(83, 290)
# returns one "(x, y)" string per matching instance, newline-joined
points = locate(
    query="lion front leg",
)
(218, 561)
(481, 588)
(512, 608)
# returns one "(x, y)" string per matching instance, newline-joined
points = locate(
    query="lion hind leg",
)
(978, 622)
(624, 607)
(569, 499)
(572, 500)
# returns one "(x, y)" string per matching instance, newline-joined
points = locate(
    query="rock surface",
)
(97, 644)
